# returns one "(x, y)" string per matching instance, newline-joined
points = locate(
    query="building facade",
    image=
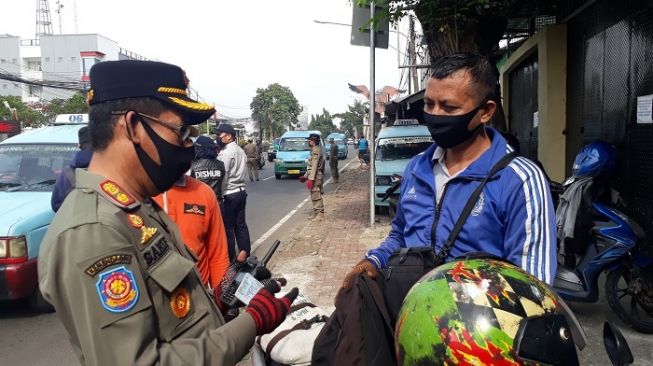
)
(56, 60)
(580, 80)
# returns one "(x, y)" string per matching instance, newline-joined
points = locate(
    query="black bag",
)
(359, 332)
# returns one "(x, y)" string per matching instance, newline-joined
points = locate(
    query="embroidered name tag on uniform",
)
(193, 208)
(180, 302)
(117, 289)
(155, 251)
(107, 261)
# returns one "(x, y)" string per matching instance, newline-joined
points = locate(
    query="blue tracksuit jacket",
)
(513, 218)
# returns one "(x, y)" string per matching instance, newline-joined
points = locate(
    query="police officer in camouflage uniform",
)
(333, 160)
(314, 176)
(112, 263)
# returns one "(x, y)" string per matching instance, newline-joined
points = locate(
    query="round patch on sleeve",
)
(117, 289)
(180, 302)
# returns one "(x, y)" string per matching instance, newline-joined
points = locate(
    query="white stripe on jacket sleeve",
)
(535, 253)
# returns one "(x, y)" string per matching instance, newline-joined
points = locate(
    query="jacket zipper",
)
(438, 207)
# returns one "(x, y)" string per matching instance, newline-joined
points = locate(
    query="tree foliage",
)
(352, 119)
(30, 116)
(40, 113)
(275, 107)
(322, 122)
(451, 26)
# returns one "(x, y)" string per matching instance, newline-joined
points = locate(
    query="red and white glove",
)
(310, 184)
(268, 311)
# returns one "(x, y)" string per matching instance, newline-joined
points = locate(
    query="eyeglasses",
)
(184, 132)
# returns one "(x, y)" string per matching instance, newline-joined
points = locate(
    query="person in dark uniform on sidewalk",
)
(252, 153)
(112, 263)
(314, 176)
(233, 192)
(206, 167)
(333, 160)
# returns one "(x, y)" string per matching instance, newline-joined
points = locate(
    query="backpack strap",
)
(469, 206)
(305, 324)
(372, 293)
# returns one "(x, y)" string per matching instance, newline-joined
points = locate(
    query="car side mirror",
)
(616, 345)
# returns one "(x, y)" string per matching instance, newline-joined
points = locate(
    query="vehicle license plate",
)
(293, 171)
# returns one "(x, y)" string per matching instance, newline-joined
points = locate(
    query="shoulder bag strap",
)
(305, 324)
(470, 205)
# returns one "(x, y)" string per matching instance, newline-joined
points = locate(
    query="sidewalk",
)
(315, 256)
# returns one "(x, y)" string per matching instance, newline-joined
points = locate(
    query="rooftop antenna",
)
(75, 12)
(43, 22)
(58, 8)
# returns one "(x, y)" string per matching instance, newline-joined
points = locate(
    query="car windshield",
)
(339, 142)
(33, 167)
(294, 144)
(402, 147)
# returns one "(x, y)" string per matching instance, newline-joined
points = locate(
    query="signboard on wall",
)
(645, 109)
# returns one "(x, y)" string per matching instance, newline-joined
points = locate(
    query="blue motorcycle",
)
(596, 237)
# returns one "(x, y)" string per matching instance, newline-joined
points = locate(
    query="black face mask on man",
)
(449, 131)
(175, 160)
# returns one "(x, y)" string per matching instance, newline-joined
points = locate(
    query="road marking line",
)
(274, 228)
(270, 177)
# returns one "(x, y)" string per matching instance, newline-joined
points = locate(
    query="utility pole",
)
(372, 122)
(412, 56)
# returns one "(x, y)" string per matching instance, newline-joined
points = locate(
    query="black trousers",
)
(233, 215)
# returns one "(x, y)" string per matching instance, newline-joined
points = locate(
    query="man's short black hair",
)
(102, 122)
(482, 71)
(83, 137)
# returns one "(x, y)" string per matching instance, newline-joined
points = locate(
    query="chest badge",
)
(117, 289)
(180, 302)
(147, 233)
(135, 221)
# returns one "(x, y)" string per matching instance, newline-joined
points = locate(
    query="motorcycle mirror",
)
(616, 345)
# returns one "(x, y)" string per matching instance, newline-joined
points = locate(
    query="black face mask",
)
(450, 131)
(175, 160)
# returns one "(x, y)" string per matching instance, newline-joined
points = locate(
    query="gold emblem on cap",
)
(191, 105)
(180, 302)
(147, 233)
(135, 220)
(165, 89)
(89, 96)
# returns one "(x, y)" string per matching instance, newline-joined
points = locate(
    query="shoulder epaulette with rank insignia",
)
(112, 191)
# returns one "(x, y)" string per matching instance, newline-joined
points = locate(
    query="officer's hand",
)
(361, 267)
(302, 179)
(268, 311)
(310, 184)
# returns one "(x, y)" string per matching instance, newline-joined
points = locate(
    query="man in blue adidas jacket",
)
(513, 217)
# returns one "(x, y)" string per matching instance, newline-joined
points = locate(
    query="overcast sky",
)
(230, 48)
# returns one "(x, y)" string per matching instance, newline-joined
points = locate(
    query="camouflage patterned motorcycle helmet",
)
(482, 312)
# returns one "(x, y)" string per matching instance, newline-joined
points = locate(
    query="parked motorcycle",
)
(600, 238)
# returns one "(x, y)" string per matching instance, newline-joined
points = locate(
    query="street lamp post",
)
(372, 121)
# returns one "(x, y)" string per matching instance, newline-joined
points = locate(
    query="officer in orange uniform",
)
(192, 205)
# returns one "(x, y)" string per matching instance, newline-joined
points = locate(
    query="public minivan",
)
(395, 146)
(29, 165)
(293, 153)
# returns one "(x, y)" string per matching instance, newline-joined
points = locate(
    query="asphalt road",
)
(40, 339)
(31, 339)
